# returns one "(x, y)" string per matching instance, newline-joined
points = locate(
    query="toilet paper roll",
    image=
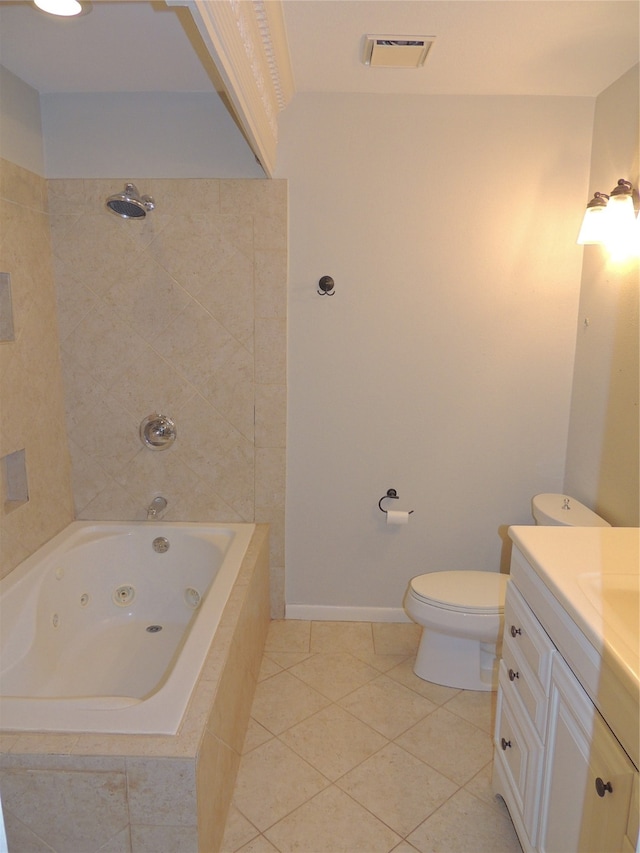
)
(395, 516)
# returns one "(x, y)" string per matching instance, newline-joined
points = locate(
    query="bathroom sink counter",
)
(584, 584)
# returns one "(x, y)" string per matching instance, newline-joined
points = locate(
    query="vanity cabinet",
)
(588, 781)
(566, 780)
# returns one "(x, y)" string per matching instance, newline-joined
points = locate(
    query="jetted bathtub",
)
(106, 628)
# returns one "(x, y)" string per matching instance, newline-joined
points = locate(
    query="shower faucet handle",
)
(157, 432)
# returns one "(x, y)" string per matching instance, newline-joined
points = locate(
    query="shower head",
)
(130, 204)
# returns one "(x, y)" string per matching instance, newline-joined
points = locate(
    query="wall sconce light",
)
(592, 228)
(611, 221)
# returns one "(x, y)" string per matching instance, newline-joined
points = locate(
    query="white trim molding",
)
(248, 44)
(337, 613)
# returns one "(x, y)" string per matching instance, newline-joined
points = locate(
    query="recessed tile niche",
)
(13, 478)
(6, 310)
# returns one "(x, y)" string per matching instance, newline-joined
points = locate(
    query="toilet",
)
(461, 612)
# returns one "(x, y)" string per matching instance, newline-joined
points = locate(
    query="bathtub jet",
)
(130, 204)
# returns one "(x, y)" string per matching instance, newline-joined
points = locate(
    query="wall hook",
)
(326, 286)
(391, 493)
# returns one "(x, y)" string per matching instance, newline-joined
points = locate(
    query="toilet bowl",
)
(461, 612)
(461, 618)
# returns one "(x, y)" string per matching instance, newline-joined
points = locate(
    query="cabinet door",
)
(518, 755)
(588, 777)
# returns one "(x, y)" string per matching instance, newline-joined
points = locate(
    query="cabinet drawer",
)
(523, 632)
(516, 678)
(519, 752)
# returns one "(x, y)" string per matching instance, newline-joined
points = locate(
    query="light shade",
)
(620, 221)
(594, 222)
(64, 8)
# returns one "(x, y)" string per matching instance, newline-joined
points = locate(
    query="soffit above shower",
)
(396, 51)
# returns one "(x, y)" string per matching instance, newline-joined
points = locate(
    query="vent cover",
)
(396, 51)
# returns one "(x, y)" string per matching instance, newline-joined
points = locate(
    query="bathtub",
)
(106, 628)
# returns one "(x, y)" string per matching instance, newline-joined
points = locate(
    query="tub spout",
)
(156, 508)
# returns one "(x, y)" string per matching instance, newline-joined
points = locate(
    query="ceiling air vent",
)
(396, 51)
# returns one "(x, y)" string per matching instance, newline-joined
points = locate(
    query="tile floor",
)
(349, 752)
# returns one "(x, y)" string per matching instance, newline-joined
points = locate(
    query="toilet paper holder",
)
(391, 493)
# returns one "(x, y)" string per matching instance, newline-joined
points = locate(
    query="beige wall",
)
(442, 366)
(184, 314)
(602, 456)
(31, 407)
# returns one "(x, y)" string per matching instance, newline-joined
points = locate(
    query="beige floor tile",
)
(464, 824)
(334, 674)
(332, 823)
(480, 786)
(256, 735)
(449, 744)
(476, 706)
(285, 660)
(333, 741)
(283, 700)
(307, 730)
(273, 781)
(258, 845)
(436, 693)
(341, 637)
(398, 788)
(388, 707)
(268, 667)
(288, 635)
(396, 638)
(238, 831)
(383, 663)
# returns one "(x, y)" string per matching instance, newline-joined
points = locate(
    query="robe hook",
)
(326, 286)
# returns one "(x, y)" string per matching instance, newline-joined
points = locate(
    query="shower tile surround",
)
(138, 793)
(32, 429)
(182, 313)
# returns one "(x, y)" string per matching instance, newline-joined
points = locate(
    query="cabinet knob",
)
(505, 744)
(515, 631)
(603, 787)
(513, 675)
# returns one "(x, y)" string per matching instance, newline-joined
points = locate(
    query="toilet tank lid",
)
(464, 589)
(567, 511)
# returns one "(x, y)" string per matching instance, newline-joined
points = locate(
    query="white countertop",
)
(593, 573)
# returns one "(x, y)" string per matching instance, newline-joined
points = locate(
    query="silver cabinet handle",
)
(505, 744)
(513, 675)
(515, 631)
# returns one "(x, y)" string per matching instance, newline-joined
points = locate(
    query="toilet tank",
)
(564, 511)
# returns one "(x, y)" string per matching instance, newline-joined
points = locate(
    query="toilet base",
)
(456, 661)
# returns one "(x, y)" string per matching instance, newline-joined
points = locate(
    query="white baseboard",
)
(331, 613)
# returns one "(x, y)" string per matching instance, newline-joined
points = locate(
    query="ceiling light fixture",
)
(63, 8)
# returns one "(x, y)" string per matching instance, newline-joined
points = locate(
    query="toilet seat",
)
(467, 591)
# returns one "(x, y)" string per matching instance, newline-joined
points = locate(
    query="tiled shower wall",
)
(182, 313)
(31, 397)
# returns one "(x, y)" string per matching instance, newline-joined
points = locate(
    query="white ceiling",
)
(532, 47)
